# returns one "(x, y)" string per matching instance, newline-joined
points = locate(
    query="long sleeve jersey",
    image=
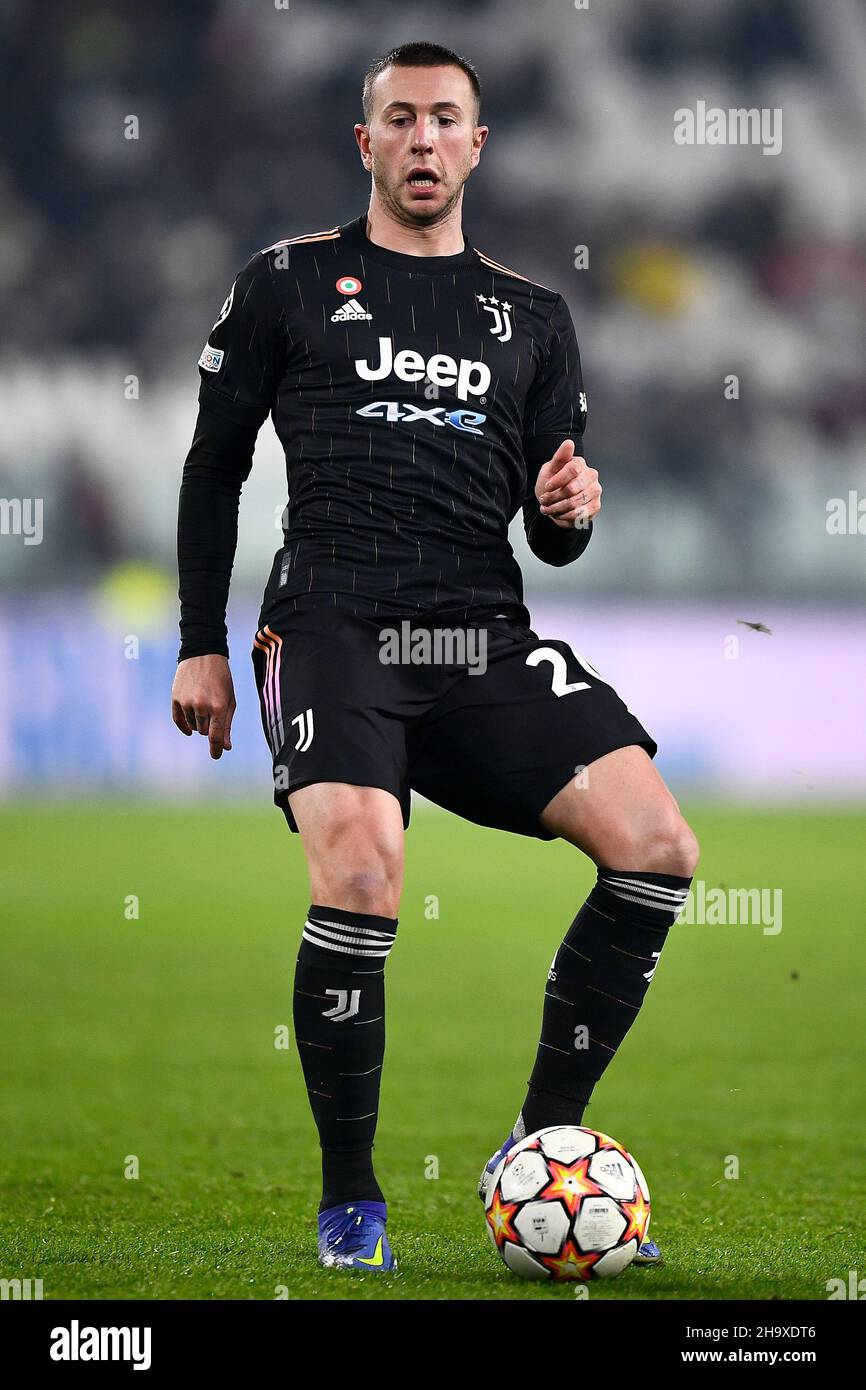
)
(415, 398)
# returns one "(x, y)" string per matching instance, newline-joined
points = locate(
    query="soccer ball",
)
(567, 1203)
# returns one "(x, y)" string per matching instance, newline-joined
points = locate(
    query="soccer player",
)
(424, 394)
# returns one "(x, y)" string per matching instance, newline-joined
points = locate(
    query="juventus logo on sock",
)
(648, 974)
(343, 1009)
(343, 1065)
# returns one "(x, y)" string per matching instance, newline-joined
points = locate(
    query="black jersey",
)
(415, 398)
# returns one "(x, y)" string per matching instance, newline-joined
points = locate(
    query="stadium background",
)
(703, 263)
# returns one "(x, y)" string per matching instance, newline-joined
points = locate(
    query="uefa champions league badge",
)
(211, 359)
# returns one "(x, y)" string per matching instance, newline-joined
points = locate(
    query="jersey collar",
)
(354, 236)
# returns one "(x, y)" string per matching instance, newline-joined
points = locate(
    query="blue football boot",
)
(353, 1237)
(490, 1167)
(648, 1254)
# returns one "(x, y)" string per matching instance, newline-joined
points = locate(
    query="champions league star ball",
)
(567, 1203)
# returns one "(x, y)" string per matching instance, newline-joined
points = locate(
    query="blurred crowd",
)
(720, 299)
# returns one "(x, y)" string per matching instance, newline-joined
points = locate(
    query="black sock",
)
(595, 988)
(339, 1015)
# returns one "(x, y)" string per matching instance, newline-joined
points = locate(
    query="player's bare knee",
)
(360, 872)
(673, 848)
(662, 843)
(367, 888)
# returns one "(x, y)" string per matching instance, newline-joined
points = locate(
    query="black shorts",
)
(490, 722)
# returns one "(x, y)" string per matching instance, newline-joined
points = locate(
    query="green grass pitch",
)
(154, 1037)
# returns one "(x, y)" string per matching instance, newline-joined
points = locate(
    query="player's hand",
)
(567, 489)
(203, 700)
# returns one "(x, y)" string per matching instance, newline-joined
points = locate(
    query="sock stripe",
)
(330, 942)
(647, 900)
(593, 907)
(634, 955)
(345, 927)
(574, 949)
(643, 893)
(615, 997)
(643, 883)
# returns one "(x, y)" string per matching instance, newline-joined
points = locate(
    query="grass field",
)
(155, 1038)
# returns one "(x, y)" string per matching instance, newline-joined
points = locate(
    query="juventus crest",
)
(501, 311)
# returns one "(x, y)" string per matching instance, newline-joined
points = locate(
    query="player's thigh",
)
(620, 812)
(341, 818)
(354, 845)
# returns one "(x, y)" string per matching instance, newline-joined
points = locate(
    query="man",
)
(423, 394)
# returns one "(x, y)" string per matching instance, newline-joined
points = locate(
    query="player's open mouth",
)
(423, 180)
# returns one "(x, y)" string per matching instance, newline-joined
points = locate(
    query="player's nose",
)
(422, 137)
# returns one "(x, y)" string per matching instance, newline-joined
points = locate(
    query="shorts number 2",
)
(560, 684)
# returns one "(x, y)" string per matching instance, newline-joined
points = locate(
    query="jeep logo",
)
(470, 378)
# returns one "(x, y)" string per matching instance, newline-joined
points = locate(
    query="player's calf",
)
(339, 1018)
(596, 985)
(630, 824)
(353, 839)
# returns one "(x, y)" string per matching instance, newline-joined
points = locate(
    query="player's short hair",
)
(419, 55)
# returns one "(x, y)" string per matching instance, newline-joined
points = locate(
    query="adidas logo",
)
(350, 311)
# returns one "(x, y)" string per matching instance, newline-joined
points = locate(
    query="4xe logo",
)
(406, 412)
(468, 378)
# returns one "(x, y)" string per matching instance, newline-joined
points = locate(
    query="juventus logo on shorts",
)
(501, 325)
(304, 722)
(343, 1009)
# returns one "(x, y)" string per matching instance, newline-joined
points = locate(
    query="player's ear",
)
(479, 138)
(362, 135)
